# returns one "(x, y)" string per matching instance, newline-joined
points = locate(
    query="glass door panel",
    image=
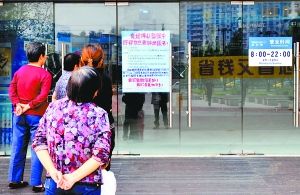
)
(154, 137)
(218, 104)
(268, 109)
(20, 23)
(211, 112)
(77, 25)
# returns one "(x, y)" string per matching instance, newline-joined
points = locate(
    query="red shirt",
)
(31, 85)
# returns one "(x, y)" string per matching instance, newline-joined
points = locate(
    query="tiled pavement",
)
(187, 176)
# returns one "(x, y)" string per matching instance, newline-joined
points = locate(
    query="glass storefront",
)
(20, 23)
(217, 104)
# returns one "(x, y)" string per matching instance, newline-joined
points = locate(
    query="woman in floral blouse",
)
(73, 138)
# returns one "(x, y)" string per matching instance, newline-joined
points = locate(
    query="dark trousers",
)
(164, 110)
(130, 123)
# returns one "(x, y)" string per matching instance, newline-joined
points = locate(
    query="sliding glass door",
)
(233, 107)
(195, 53)
(269, 92)
(20, 23)
(150, 26)
(210, 91)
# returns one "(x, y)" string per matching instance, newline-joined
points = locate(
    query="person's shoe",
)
(37, 189)
(21, 184)
(156, 127)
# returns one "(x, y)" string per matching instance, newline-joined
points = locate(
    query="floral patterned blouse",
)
(73, 133)
(61, 85)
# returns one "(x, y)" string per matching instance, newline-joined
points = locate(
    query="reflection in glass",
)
(20, 23)
(156, 138)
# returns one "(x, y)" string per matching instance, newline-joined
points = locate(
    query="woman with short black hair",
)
(83, 85)
(73, 138)
(71, 63)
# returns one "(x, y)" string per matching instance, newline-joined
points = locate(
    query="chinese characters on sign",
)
(270, 51)
(5, 63)
(235, 67)
(146, 61)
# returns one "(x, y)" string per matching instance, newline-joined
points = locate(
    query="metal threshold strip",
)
(126, 154)
(242, 154)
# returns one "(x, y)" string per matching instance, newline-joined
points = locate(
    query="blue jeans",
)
(24, 128)
(82, 189)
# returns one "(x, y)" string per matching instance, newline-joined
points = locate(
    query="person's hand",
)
(57, 176)
(105, 165)
(18, 110)
(68, 182)
(24, 107)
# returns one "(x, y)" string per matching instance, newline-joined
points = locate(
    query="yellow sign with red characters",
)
(235, 67)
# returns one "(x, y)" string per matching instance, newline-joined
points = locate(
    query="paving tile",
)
(194, 176)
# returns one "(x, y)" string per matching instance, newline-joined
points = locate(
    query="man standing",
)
(134, 118)
(28, 92)
(159, 101)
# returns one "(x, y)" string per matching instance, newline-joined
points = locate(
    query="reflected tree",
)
(53, 65)
(30, 21)
(235, 47)
(294, 29)
(209, 50)
(82, 34)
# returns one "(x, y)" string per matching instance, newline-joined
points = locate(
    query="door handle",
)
(170, 89)
(63, 53)
(189, 85)
(46, 54)
(296, 84)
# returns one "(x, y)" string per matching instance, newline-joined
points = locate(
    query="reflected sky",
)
(76, 18)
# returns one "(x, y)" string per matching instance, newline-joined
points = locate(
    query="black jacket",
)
(104, 97)
(134, 100)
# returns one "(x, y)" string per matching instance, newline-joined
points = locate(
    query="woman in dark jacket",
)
(93, 55)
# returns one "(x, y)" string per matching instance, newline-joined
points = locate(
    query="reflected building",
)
(218, 104)
(212, 26)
